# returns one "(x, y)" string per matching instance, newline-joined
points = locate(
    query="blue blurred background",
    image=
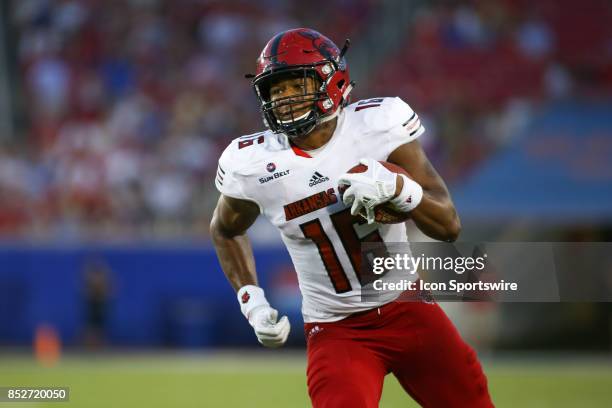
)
(113, 115)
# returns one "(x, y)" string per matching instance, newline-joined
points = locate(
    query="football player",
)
(290, 173)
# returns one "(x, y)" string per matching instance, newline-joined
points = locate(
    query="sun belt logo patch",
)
(245, 297)
(273, 176)
(317, 178)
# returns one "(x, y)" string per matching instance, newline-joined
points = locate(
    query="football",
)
(384, 213)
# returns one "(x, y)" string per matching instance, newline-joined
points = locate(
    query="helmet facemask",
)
(294, 115)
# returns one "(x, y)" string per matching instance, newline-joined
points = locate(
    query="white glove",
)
(263, 319)
(269, 332)
(368, 189)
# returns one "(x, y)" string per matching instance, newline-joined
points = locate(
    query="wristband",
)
(410, 196)
(251, 297)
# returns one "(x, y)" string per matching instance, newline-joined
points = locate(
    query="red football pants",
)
(348, 359)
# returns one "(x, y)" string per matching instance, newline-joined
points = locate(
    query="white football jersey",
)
(298, 193)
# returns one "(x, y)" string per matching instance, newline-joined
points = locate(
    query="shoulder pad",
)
(244, 151)
(381, 114)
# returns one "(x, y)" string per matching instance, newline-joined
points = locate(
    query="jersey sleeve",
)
(228, 180)
(405, 125)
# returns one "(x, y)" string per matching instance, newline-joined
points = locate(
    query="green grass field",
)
(273, 379)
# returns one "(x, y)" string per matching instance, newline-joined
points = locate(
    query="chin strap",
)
(348, 90)
(330, 117)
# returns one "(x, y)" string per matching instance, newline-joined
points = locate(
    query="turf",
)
(269, 380)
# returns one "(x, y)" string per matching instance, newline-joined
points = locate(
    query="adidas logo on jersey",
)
(317, 178)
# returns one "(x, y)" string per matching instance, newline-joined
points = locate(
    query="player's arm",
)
(435, 215)
(424, 194)
(231, 219)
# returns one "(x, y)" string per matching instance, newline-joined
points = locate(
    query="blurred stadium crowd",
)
(126, 105)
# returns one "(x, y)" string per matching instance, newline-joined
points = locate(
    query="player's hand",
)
(368, 189)
(270, 332)
(263, 319)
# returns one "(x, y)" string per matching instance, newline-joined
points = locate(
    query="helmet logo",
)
(322, 44)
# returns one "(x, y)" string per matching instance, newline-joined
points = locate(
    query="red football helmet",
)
(302, 53)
